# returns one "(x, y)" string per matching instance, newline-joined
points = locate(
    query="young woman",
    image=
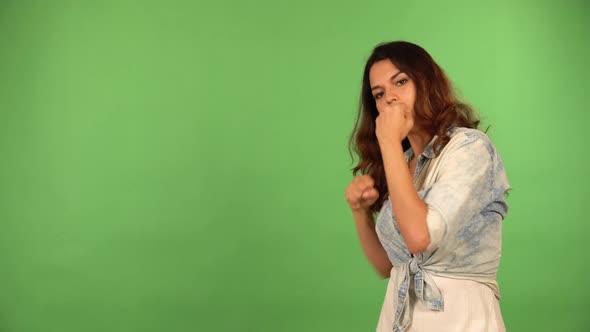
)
(436, 185)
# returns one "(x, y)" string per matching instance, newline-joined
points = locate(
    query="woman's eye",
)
(377, 96)
(401, 82)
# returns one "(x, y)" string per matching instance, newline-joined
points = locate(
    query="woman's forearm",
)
(370, 243)
(409, 210)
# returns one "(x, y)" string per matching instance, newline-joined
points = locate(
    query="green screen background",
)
(181, 166)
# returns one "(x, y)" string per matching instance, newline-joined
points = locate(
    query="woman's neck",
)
(419, 140)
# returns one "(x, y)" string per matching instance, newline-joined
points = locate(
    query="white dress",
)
(470, 306)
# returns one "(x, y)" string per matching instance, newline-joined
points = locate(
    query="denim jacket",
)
(464, 189)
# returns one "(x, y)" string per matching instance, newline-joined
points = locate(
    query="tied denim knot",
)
(414, 267)
(424, 287)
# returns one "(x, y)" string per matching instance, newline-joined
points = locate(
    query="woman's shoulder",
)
(463, 138)
(467, 135)
(471, 148)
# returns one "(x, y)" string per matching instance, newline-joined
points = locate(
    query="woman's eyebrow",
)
(392, 77)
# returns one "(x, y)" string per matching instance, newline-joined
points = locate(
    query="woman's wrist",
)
(362, 215)
(391, 148)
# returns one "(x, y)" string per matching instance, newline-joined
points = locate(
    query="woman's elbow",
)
(384, 274)
(419, 245)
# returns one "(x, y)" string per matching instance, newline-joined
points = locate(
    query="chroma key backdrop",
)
(180, 166)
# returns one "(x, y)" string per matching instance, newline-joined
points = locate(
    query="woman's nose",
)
(391, 97)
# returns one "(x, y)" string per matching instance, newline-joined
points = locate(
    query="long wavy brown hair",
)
(436, 108)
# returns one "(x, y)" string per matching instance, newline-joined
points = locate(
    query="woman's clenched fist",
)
(361, 193)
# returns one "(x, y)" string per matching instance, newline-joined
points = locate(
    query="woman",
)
(437, 185)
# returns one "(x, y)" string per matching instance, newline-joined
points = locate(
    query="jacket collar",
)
(428, 150)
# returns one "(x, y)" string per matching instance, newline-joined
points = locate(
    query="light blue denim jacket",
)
(464, 189)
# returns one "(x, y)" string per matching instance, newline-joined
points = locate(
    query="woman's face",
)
(389, 86)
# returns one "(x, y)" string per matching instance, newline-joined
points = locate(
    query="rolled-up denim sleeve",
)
(461, 188)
